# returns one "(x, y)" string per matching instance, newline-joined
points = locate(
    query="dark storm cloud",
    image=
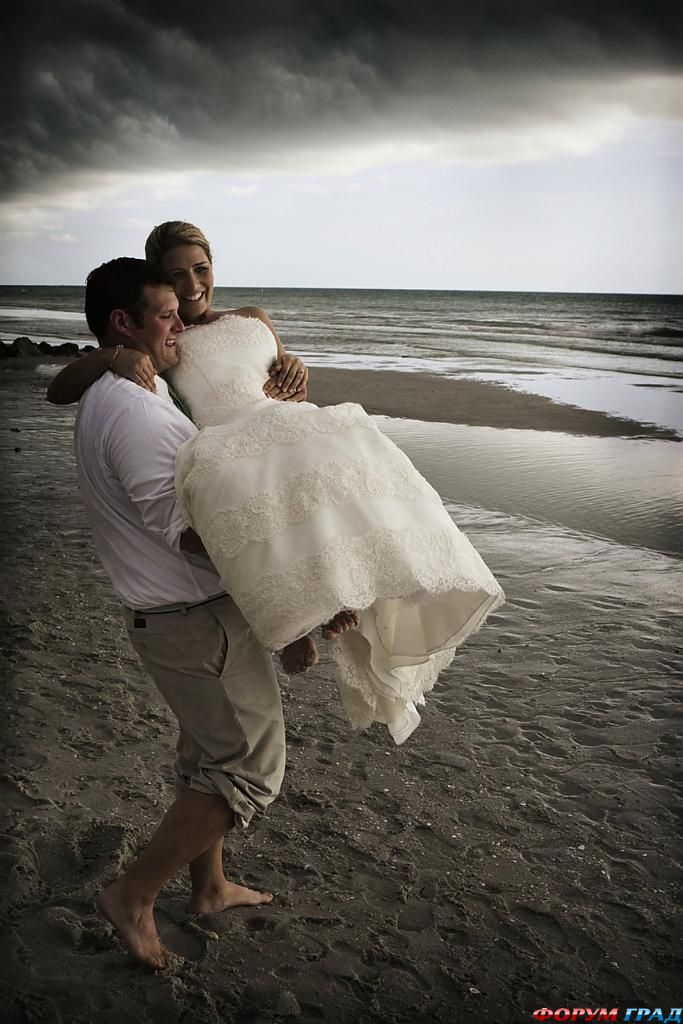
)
(118, 84)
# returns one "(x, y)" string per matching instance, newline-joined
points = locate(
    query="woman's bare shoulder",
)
(251, 311)
(245, 311)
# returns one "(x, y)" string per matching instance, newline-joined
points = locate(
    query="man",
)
(191, 638)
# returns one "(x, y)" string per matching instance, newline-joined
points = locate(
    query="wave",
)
(662, 332)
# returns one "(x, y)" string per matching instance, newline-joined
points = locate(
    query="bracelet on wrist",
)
(117, 349)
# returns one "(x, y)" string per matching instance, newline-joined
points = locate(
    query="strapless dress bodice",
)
(223, 367)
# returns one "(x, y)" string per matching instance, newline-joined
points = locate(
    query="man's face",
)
(160, 326)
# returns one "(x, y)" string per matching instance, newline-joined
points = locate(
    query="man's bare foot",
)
(347, 618)
(135, 924)
(299, 656)
(229, 895)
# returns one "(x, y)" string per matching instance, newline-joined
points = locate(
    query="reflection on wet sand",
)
(627, 489)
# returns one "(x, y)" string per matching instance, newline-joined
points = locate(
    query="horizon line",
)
(358, 288)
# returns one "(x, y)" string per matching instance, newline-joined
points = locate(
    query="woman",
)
(188, 256)
(308, 513)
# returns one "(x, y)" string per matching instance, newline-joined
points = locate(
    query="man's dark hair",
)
(119, 284)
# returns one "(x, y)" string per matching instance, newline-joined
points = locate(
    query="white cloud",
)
(23, 220)
(169, 187)
(242, 191)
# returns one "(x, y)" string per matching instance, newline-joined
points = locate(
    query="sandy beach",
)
(522, 850)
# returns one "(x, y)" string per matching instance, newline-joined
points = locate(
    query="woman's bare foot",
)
(347, 618)
(229, 895)
(135, 924)
(299, 656)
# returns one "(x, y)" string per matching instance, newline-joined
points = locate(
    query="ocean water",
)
(619, 354)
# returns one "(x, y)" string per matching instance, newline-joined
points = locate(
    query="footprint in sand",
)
(455, 936)
(371, 885)
(416, 917)
(186, 938)
(20, 879)
(544, 927)
(267, 928)
(102, 846)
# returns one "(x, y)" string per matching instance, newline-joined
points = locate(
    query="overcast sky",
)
(349, 143)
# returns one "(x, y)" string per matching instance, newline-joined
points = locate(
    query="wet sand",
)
(522, 849)
(478, 404)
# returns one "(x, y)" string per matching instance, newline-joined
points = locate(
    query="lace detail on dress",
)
(358, 696)
(206, 339)
(334, 483)
(356, 572)
(223, 397)
(279, 425)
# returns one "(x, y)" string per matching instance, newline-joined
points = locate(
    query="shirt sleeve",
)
(140, 449)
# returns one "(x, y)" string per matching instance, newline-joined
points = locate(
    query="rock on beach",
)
(25, 348)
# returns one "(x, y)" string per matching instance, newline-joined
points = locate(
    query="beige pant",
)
(220, 684)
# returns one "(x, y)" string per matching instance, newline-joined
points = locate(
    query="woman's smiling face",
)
(192, 273)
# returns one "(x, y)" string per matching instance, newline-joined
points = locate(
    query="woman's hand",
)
(135, 366)
(72, 382)
(288, 379)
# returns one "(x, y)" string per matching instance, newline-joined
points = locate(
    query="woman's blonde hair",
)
(170, 234)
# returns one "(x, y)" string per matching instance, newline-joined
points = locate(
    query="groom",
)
(191, 638)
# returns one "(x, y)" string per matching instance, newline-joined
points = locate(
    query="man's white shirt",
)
(126, 440)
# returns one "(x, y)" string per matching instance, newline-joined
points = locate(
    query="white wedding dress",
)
(305, 511)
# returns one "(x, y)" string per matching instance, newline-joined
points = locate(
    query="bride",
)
(312, 515)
